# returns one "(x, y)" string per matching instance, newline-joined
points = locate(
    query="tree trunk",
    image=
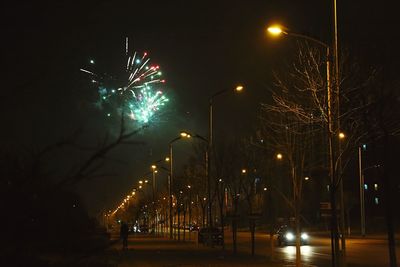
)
(221, 212)
(271, 243)
(234, 226)
(179, 224)
(252, 230)
(298, 234)
(234, 231)
(184, 223)
(388, 170)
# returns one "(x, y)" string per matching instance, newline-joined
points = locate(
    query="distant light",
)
(185, 135)
(137, 61)
(167, 159)
(146, 181)
(376, 187)
(279, 156)
(265, 189)
(364, 146)
(220, 180)
(239, 88)
(275, 30)
(108, 114)
(341, 135)
(306, 178)
(244, 171)
(377, 201)
(365, 186)
(153, 167)
(91, 61)
(189, 186)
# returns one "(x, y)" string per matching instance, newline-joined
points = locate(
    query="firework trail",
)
(138, 95)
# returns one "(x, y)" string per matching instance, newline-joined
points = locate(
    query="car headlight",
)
(304, 236)
(289, 236)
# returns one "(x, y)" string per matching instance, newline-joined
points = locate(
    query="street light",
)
(238, 88)
(171, 177)
(279, 156)
(277, 30)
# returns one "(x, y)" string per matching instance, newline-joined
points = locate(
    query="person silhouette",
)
(124, 231)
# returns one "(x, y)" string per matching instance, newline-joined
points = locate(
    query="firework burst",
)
(139, 94)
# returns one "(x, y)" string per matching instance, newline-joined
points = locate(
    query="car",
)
(286, 236)
(216, 235)
(194, 227)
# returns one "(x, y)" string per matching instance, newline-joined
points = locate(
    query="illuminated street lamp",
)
(185, 135)
(238, 88)
(279, 156)
(277, 30)
(342, 135)
(171, 178)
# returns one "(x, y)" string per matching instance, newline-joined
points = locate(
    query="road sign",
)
(324, 205)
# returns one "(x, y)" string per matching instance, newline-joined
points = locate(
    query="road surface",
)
(147, 250)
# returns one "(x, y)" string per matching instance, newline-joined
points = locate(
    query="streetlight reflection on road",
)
(289, 252)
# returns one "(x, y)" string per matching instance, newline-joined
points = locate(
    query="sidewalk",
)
(150, 251)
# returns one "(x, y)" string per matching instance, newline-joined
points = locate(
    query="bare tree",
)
(92, 166)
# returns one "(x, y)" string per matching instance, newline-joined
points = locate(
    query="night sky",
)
(201, 46)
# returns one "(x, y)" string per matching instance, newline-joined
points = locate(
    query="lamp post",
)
(362, 199)
(154, 171)
(171, 178)
(277, 30)
(238, 88)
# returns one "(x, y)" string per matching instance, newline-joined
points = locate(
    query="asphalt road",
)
(146, 250)
(370, 251)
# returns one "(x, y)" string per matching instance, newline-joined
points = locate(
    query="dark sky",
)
(201, 46)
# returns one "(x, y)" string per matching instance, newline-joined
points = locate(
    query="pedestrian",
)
(124, 231)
